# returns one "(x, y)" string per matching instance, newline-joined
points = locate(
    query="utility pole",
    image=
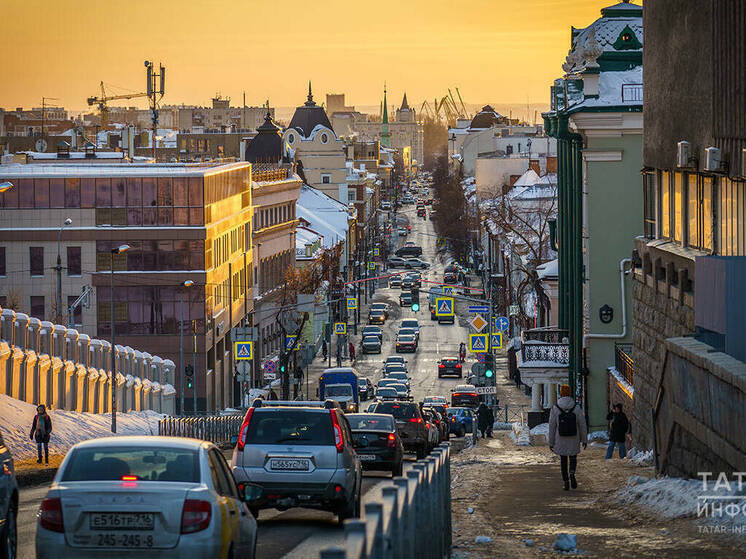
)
(154, 95)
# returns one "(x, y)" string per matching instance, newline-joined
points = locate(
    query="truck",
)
(340, 384)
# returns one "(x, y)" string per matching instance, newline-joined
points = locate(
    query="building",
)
(335, 103)
(688, 357)
(181, 223)
(204, 146)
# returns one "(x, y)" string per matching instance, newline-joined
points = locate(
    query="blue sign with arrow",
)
(479, 309)
(500, 323)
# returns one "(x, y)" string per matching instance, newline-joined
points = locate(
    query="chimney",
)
(535, 166)
(514, 178)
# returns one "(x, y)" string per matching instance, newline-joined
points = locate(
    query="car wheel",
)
(9, 536)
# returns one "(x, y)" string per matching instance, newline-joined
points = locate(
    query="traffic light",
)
(489, 365)
(415, 307)
(189, 373)
(282, 368)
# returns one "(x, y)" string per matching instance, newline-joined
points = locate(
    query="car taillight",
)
(338, 441)
(195, 516)
(244, 431)
(392, 440)
(50, 516)
(441, 366)
(458, 365)
(416, 420)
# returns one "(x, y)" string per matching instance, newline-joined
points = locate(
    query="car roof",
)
(405, 336)
(150, 441)
(464, 388)
(449, 358)
(376, 311)
(410, 320)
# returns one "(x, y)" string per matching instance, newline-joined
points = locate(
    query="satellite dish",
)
(41, 145)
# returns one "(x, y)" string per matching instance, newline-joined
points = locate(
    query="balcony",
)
(623, 362)
(262, 173)
(632, 93)
(544, 356)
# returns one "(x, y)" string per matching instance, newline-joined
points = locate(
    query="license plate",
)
(118, 539)
(121, 521)
(288, 464)
(367, 457)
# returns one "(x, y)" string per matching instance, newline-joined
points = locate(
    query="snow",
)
(521, 435)
(599, 436)
(566, 542)
(325, 215)
(548, 269)
(627, 387)
(541, 429)
(482, 539)
(641, 457)
(69, 427)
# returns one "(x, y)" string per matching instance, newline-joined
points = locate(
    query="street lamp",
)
(121, 249)
(68, 221)
(185, 283)
(5, 186)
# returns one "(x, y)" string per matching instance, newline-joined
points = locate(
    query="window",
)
(731, 219)
(77, 317)
(36, 258)
(2, 261)
(678, 207)
(351, 195)
(37, 306)
(665, 204)
(326, 179)
(73, 261)
(649, 221)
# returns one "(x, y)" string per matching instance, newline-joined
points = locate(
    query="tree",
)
(452, 212)
(434, 141)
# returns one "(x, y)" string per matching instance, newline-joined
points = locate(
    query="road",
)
(299, 533)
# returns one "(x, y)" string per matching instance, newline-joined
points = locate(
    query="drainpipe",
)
(623, 333)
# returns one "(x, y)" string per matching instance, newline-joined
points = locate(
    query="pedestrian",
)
(618, 428)
(352, 352)
(324, 349)
(490, 421)
(462, 352)
(339, 355)
(41, 430)
(483, 419)
(567, 431)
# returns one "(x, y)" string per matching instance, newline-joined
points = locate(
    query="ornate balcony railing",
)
(268, 174)
(559, 354)
(624, 363)
(632, 93)
(548, 335)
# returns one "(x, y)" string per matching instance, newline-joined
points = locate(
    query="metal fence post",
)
(375, 511)
(333, 553)
(391, 494)
(438, 500)
(447, 502)
(408, 519)
(414, 476)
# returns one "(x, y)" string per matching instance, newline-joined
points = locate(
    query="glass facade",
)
(157, 255)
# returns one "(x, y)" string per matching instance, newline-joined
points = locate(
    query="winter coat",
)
(41, 428)
(483, 416)
(619, 426)
(567, 446)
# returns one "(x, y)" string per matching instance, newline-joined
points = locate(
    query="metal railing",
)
(632, 92)
(412, 518)
(555, 353)
(216, 429)
(549, 335)
(624, 363)
(268, 174)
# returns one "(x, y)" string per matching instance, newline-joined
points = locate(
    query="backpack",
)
(567, 425)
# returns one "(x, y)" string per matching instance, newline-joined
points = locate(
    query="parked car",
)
(461, 420)
(164, 496)
(406, 343)
(450, 366)
(464, 395)
(380, 306)
(406, 299)
(364, 388)
(8, 505)
(409, 422)
(377, 442)
(376, 317)
(396, 262)
(301, 454)
(416, 263)
(371, 344)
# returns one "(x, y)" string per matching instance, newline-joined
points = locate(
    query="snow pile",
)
(521, 435)
(671, 498)
(601, 436)
(502, 426)
(641, 457)
(566, 542)
(541, 429)
(483, 539)
(69, 427)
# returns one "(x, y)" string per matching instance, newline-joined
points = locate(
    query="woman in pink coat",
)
(567, 431)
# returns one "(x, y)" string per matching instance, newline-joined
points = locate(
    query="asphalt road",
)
(299, 533)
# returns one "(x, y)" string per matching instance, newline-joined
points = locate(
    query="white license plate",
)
(289, 464)
(119, 539)
(367, 457)
(121, 521)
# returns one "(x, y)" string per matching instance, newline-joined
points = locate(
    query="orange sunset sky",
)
(499, 51)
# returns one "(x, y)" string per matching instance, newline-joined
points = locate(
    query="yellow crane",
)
(104, 99)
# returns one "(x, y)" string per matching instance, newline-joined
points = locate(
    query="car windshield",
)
(397, 409)
(406, 331)
(111, 463)
(378, 306)
(401, 376)
(338, 390)
(301, 427)
(449, 361)
(409, 324)
(386, 381)
(360, 422)
(386, 392)
(394, 359)
(376, 313)
(406, 338)
(371, 330)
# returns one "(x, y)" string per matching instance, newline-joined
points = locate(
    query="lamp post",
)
(68, 221)
(121, 249)
(185, 283)
(5, 186)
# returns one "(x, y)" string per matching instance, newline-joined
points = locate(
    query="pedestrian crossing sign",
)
(290, 341)
(448, 291)
(478, 343)
(243, 351)
(443, 306)
(497, 340)
(376, 252)
(340, 328)
(371, 265)
(351, 303)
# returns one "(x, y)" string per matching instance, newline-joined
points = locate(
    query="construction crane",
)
(104, 99)
(446, 108)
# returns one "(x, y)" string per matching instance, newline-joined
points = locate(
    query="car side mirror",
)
(250, 492)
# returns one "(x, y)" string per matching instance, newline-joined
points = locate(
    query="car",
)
(408, 283)
(410, 423)
(446, 319)
(403, 231)
(8, 505)
(371, 344)
(377, 442)
(364, 388)
(409, 332)
(386, 382)
(416, 263)
(407, 199)
(372, 330)
(145, 495)
(461, 420)
(406, 299)
(415, 277)
(465, 395)
(435, 401)
(376, 317)
(384, 393)
(402, 392)
(406, 343)
(448, 277)
(410, 251)
(395, 281)
(301, 454)
(393, 368)
(385, 205)
(380, 306)
(399, 376)
(412, 323)
(396, 262)
(395, 359)
(409, 243)
(450, 366)
(440, 422)
(433, 431)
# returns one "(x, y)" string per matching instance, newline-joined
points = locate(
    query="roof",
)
(308, 116)
(404, 104)
(148, 441)
(40, 170)
(486, 118)
(266, 146)
(326, 215)
(548, 270)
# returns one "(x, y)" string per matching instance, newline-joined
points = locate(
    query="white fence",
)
(45, 363)
(412, 519)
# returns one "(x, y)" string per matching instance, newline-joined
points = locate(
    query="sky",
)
(498, 51)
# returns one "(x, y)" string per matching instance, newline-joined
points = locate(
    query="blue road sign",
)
(448, 291)
(371, 265)
(500, 323)
(443, 306)
(351, 303)
(497, 341)
(478, 308)
(340, 328)
(290, 340)
(243, 351)
(478, 343)
(376, 252)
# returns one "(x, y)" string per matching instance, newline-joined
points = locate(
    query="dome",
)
(308, 116)
(486, 118)
(266, 146)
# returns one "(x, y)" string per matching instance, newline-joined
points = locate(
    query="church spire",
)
(404, 104)
(309, 101)
(385, 135)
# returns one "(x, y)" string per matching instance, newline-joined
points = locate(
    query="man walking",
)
(618, 429)
(339, 355)
(567, 431)
(352, 352)
(485, 419)
(324, 349)
(41, 430)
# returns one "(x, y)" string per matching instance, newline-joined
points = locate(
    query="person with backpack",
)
(567, 431)
(618, 429)
(41, 430)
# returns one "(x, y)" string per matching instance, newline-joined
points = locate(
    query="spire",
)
(385, 135)
(309, 101)
(385, 107)
(404, 104)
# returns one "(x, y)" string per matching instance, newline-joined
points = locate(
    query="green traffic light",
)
(282, 368)
(415, 307)
(189, 384)
(488, 373)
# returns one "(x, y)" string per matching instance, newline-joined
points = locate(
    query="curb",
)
(35, 477)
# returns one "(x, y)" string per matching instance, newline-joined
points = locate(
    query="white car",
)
(145, 497)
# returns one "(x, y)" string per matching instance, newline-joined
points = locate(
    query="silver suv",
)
(302, 455)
